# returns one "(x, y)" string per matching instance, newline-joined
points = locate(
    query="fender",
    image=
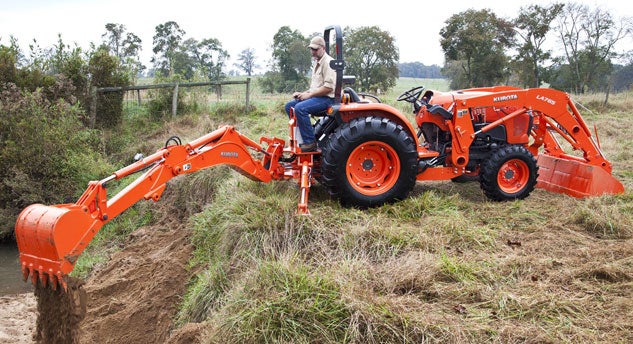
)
(347, 112)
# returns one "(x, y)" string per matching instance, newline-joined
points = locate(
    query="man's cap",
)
(317, 42)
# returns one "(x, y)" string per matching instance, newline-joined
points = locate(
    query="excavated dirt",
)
(131, 300)
(135, 298)
(60, 313)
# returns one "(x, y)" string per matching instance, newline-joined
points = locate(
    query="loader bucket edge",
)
(575, 178)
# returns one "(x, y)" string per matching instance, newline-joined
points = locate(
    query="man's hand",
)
(301, 95)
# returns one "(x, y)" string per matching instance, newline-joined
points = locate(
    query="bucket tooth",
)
(43, 279)
(25, 272)
(53, 282)
(34, 276)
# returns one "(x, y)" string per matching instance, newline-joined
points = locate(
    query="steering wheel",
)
(411, 95)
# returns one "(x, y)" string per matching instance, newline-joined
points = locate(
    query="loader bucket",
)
(575, 178)
(50, 239)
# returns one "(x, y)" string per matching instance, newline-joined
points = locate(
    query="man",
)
(318, 98)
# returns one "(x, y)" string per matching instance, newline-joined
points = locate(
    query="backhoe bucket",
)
(575, 178)
(50, 238)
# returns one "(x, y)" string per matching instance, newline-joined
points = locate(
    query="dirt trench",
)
(133, 299)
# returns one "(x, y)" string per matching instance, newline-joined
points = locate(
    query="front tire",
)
(509, 174)
(368, 162)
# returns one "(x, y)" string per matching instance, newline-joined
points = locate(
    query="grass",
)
(443, 266)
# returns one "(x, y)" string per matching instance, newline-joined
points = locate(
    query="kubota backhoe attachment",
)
(51, 238)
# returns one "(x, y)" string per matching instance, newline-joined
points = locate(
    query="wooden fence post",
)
(248, 91)
(174, 102)
(93, 106)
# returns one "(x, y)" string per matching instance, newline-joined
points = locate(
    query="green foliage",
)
(419, 70)
(246, 61)
(291, 63)
(274, 82)
(589, 37)
(107, 71)
(8, 60)
(187, 59)
(476, 42)
(73, 66)
(205, 295)
(371, 55)
(124, 45)
(167, 39)
(208, 58)
(161, 99)
(533, 24)
(46, 155)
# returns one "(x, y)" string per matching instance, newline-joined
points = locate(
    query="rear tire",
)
(509, 174)
(368, 162)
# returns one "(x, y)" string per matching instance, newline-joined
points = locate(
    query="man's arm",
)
(319, 92)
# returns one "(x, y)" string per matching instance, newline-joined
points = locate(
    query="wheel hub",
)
(373, 167)
(367, 164)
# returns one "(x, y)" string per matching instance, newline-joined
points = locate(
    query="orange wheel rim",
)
(513, 176)
(373, 168)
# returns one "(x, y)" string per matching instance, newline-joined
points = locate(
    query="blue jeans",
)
(303, 109)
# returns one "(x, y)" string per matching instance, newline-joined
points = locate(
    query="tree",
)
(419, 70)
(623, 78)
(106, 71)
(532, 25)
(589, 39)
(476, 41)
(246, 61)
(8, 63)
(204, 59)
(167, 41)
(290, 62)
(124, 45)
(209, 58)
(372, 57)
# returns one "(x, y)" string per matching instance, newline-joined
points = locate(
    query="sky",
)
(415, 25)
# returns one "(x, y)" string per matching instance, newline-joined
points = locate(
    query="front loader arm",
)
(51, 238)
(555, 116)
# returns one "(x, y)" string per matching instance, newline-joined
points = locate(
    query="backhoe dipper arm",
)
(51, 238)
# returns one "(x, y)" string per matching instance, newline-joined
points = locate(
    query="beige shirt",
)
(324, 75)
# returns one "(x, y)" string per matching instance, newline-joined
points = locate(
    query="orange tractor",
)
(512, 140)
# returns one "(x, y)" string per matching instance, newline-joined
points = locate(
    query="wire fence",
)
(238, 91)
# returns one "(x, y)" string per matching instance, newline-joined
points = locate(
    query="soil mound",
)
(134, 299)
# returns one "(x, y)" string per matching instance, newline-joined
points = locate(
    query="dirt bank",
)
(132, 300)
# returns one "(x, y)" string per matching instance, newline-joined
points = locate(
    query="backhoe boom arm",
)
(51, 238)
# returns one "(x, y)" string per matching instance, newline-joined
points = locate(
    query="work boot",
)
(308, 147)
